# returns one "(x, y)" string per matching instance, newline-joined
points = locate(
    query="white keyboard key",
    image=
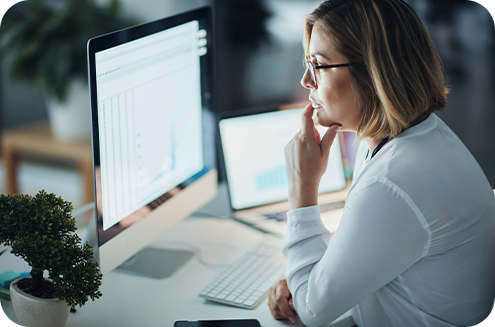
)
(231, 298)
(222, 296)
(249, 302)
(257, 293)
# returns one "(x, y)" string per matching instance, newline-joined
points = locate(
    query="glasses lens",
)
(311, 69)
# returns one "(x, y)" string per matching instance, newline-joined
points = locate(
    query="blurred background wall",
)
(259, 62)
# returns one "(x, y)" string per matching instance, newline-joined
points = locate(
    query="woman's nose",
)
(307, 81)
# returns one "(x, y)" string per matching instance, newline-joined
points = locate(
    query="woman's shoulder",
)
(428, 161)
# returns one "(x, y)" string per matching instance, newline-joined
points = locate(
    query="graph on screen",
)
(273, 178)
(146, 88)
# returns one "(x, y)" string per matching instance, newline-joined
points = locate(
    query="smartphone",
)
(219, 323)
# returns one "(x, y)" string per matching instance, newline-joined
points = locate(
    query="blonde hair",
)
(395, 66)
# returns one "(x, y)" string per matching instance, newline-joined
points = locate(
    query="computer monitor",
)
(151, 89)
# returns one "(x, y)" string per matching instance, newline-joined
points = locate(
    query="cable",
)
(84, 208)
(201, 213)
(238, 220)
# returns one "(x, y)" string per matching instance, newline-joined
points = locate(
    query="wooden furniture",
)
(36, 142)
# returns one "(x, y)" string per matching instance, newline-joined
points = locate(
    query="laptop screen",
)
(253, 151)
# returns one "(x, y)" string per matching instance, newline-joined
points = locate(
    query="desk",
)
(36, 140)
(136, 301)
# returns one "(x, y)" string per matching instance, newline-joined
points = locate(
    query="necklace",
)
(415, 122)
(375, 151)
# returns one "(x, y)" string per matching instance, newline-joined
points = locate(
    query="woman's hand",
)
(306, 159)
(280, 301)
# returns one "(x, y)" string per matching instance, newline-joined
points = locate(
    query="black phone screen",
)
(219, 323)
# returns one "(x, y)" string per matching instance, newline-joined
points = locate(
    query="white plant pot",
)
(70, 121)
(36, 312)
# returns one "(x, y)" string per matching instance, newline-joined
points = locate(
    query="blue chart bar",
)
(272, 178)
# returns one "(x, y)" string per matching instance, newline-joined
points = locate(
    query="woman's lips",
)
(316, 105)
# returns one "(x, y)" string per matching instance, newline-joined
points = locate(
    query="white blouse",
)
(415, 245)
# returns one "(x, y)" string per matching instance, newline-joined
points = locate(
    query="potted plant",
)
(41, 230)
(45, 44)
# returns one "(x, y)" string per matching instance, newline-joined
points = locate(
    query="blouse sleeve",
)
(381, 234)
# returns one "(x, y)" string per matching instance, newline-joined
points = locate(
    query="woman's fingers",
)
(328, 138)
(317, 134)
(307, 120)
(279, 301)
(285, 310)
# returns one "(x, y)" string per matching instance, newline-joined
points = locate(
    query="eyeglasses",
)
(312, 69)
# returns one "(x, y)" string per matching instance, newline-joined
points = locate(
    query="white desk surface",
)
(130, 300)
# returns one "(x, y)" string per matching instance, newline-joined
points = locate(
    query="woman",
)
(416, 242)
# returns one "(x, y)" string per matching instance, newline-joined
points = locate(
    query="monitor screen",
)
(253, 152)
(149, 118)
(151, 93)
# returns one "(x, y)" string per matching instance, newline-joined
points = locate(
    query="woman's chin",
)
(321, 121)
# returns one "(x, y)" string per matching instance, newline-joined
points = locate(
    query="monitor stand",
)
(155, 262)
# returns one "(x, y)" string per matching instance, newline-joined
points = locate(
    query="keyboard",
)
(249, 279)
